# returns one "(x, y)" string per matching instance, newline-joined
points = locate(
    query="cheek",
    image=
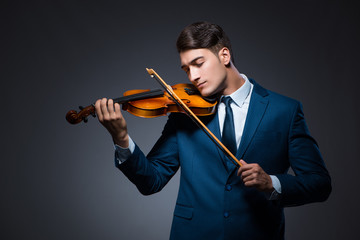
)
(218, 74)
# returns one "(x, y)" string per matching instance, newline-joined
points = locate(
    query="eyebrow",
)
(192, 62)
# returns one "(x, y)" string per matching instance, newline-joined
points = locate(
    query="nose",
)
(193, 74)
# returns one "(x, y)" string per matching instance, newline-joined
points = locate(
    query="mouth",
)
(200, 85)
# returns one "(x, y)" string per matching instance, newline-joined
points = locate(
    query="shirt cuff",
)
(277, 186)
(123, 154)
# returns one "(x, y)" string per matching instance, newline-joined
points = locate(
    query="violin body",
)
(160, 106)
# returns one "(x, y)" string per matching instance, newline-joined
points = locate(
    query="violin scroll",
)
(74, 117)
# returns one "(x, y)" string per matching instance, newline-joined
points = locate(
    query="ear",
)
(225, 56)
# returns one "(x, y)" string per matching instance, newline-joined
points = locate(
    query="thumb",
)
(242, 162)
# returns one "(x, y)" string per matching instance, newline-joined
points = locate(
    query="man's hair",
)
(203, 35)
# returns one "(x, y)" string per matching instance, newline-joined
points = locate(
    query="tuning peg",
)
(81, 107)
(85, 119)
(93, 114)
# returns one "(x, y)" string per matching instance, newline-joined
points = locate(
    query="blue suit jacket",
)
(212, 202)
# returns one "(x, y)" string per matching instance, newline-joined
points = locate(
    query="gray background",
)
(58, 181)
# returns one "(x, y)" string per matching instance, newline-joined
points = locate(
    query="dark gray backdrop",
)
(58, 181)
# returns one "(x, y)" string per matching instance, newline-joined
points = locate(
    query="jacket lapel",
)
(257, 108)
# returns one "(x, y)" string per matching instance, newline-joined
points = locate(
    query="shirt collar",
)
(240, 95)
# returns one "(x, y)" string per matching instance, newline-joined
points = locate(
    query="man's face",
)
(205, 70)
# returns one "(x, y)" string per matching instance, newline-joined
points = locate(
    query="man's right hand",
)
(109, 115)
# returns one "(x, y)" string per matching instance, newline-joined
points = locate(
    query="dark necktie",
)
(228, 134)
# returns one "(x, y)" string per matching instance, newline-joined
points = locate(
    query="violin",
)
(153, 103)
(178, 98)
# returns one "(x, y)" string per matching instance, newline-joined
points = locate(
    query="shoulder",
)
(274, 97)
(283, 100)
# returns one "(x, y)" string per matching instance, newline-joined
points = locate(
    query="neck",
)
(234, 80)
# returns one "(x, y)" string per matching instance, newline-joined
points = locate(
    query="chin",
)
(205, 93)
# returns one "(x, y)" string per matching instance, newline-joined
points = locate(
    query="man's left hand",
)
(254, 176)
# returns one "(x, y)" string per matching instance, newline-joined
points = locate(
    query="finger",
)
(110, 107)
(244, 166)
(251, 183)
(117, 110)
(249, 177)
(252, 169)
(104, 109)
(246, 173)
(98, 110)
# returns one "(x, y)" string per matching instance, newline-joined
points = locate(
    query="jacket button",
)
(228, 187)
(226, 214)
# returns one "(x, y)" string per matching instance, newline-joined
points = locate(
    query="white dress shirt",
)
(239, 106)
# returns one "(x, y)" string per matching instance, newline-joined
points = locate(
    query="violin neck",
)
(139, 96)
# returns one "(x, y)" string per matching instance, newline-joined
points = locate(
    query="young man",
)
(265, 130)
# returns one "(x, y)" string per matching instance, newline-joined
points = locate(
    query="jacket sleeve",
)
(152, 172)
(311, 181)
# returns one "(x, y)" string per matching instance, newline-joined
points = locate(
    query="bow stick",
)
(193, 117)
